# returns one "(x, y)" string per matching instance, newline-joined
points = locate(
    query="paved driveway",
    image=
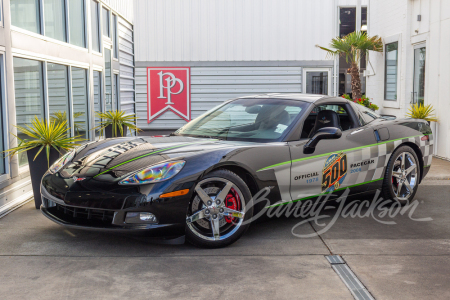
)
(406, 260)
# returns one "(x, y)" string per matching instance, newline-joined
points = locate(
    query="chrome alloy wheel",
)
(217, 211)
(404, 175)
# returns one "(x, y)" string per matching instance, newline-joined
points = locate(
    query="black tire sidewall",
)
(388, 192)
(228, 175)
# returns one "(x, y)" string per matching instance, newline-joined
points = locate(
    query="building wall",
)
(432, 31)
(233, 30)
(234, 48)
(17, 42)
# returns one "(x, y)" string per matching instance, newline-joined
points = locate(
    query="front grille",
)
(79, 215)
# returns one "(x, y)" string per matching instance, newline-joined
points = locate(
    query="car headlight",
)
(61, 162)
(156, 173)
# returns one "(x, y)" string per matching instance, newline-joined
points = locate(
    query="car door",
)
(335, 164)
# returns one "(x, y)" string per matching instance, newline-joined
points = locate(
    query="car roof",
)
(297, 96)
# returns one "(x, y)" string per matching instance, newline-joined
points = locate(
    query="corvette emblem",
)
(324, 120)
(75, 178)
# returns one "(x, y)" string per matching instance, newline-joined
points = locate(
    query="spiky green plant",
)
(45, 136)
(419, 111)
(353, 46)
(118, 119)
(61, 116)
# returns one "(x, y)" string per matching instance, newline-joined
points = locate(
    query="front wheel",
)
(402, 176)
(218, 210)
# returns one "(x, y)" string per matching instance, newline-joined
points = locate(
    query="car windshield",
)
(254, 119)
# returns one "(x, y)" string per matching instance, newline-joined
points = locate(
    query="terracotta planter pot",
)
(38, 167)
(109, 132)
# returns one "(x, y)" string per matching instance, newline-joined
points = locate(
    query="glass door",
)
(317, 81)
(419, 76)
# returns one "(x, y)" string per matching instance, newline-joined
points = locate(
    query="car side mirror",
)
(325, 133)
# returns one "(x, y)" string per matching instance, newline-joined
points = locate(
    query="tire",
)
(401, 181)
(210, 224)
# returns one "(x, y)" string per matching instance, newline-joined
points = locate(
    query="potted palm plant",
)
(44, 145)
(116, 123)
(424, 112)
(353, 46)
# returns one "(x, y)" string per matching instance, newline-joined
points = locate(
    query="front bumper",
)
(111, 220)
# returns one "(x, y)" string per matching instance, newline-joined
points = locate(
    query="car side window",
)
(368, 114)
(345, 120)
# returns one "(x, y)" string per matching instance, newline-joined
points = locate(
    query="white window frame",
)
(91, 99)
(85, 15)
(389, 40)
(330, 79)
(100, 29)
(116, 86)
(115, 41)
(4, 116)
(102, 7)
(68, 63)
(2, 23)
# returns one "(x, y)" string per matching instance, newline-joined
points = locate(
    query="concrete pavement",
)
(406, 259)
(440, 170)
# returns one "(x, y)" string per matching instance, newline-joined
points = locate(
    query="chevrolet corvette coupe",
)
(199, 183)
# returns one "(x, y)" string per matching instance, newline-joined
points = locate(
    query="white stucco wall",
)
(392, 18)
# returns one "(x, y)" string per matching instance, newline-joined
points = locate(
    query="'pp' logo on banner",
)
(168, 88)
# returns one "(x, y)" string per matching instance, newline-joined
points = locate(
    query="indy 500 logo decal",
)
(334, 172)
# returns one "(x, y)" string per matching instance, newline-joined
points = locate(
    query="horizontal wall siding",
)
(126, 60)
(211, 86)
(233, 30)
(123, 7)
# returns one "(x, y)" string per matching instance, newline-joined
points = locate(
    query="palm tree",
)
(353, 46)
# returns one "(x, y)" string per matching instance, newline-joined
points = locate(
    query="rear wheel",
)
(402, 176)
(217, 212)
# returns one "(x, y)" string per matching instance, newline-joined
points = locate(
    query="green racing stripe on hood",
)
(325, 154)
(154, 152)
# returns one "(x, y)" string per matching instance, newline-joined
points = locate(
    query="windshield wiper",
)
(207, 136)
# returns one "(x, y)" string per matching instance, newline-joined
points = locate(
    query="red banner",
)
(168, 88)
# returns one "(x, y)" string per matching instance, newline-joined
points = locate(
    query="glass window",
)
(317, 83)
(116, 92)
(29, 96)
(2, 160)
(252, 119)
(58, 93)
(114, 37)
(97, 98)
(347, 20)
(391, 66)
(368, 114)
(363, 18)
(55, 19)
(80, 102)
(105, 18)
(95, 26)
(76, 22)
(108, 81)
(419, 75)
(25, 14)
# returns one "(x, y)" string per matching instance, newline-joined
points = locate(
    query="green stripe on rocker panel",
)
(318, 195)
(329, 153)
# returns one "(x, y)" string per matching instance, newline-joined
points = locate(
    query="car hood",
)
(118, 157)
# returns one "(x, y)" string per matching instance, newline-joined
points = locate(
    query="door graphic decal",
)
(334, 172)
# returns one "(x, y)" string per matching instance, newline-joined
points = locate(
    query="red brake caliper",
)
(232, 203)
